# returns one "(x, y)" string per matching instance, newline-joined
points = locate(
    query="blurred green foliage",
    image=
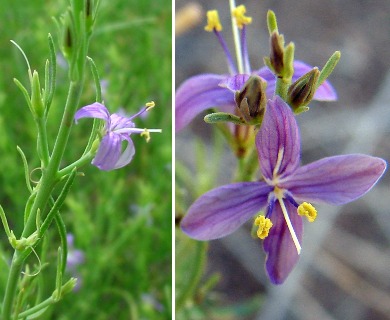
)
(120, 219)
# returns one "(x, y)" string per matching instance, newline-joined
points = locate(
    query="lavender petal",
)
(234, 83)
(221, 211)
(126, 156)
(109, 152)
(335, 180)
(200, 93)
(278, 141)
(281, 252)
(94, 110)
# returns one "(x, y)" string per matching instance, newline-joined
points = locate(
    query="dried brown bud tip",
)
(301, 92)
(277, 52)
(251, 100)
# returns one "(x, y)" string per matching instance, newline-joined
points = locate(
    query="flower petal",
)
(325, 92)
(109, 152)
(120, 122)
(282, 254)
(335, 180)
(234, 83)
(278, 141)
(200, 93)
(94, 110)
(127, 155)
(221, 211)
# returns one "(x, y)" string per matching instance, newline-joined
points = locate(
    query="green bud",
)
(65, 289)
(89, 18)
(272, 22)
(67, 43)
(219, 117)
(36, 99)
(251, 100)
(301, 92)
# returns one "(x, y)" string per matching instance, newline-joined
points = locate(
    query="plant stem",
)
(42, 142)
(13, 277)
(46, 186)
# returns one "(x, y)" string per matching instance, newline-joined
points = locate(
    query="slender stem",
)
(46, 185)
(281, 88)
(38, 307)
(42, 142)
(77, 164)
(13, 277)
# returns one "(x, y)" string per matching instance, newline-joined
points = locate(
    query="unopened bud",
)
(301, 92)
(36, 99)
(68, 41)
(277, 52)
(251, 99)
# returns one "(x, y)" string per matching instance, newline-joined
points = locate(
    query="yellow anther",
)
(306, 209)
(264, 225)
(239, 14)
(149, 105)
(146, 134)
(213, 22)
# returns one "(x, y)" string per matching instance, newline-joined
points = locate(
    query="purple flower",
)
(334, 180)
(117, 129)
(205, 91)
(75, 256)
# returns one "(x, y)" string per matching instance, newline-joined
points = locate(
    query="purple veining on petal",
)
(335, 180)
(278, 140)
(221, 211)
(282, 254)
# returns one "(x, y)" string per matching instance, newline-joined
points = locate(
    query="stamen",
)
(241, 19)
(289, 225)
(213, 22)
(146, 134)
(306, 209)
(149, 105)
(264, 225)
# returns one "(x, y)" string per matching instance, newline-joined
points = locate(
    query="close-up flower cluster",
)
(274, 188)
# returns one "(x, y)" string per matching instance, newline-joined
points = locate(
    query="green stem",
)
(77, 164)
(42, 142)
(46, 186)
(13, 277)
(282, 88)
(44, 304)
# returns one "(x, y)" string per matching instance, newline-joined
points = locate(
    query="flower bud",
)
(36, 99)
(277, 52)
(301, 92)
(251, 99)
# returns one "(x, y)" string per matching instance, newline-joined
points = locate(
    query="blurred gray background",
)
(344, 269)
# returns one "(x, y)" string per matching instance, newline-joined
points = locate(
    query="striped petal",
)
(335, 180)
(221, 211)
